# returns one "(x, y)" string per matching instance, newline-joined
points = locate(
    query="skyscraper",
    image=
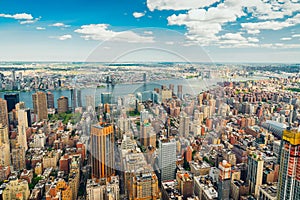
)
(79, 101)
(255, 171)
(12, 99)
(106, 98)
(50, 100)
(289, 172)
(90, 101)
(62, 105)
(73, 99)
(3, 112)
(224, 180)
(22, 126)
(179, 91)
(167, 159)
(4, 146)
(184, 123)
(39, 100)
(102, 151)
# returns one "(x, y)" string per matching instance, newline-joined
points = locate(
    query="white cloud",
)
(204, 25)
(23, 18)
(40, 28)
(148, 32)
(280, 46)
(30, 21)
(178, 4)
(101, 32)
(59, 25)
(62, 37)
(285, 38)
(19, 16)
(296, 35)
(255, 27)
(138, 14)
(236, 40)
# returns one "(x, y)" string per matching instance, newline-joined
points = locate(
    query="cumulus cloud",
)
(62, 37)
(102, 32)
(23, 18)
(204, 23)
(285, 38)
(138, 14)
(19, 16)
(59, 24)
(178, 4)
(255, 27)
(40, 28)
(296, 35)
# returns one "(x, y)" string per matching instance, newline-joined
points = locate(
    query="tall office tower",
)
(73, 99)
(179, 91)
(255, 171)
(90, 101)
(12, 99)
(3, 112)
(50, 100)
(79, 100)
(39, 100)
(167, 159)
(224, 180)
(4, 146)
(106, 98)
(289, 172)
(62, 104)
(184, 124)
(22, 127)
(102, 151)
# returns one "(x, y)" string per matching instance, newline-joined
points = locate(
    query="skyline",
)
(235, 31)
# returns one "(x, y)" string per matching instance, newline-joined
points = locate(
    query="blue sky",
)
(140, 30)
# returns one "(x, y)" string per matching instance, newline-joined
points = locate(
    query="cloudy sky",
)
(150, 30)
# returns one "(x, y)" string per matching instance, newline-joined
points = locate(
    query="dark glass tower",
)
(12, 99)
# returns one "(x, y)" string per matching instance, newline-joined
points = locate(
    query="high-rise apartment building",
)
(62, 105)
(102, 151)
(184, 124)
(167, 159)
(39, 100)
(289, 173)
(4, 146)
(224, 180)
(3, 112)
(22, 127)
(255, 171)
(50, 100)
